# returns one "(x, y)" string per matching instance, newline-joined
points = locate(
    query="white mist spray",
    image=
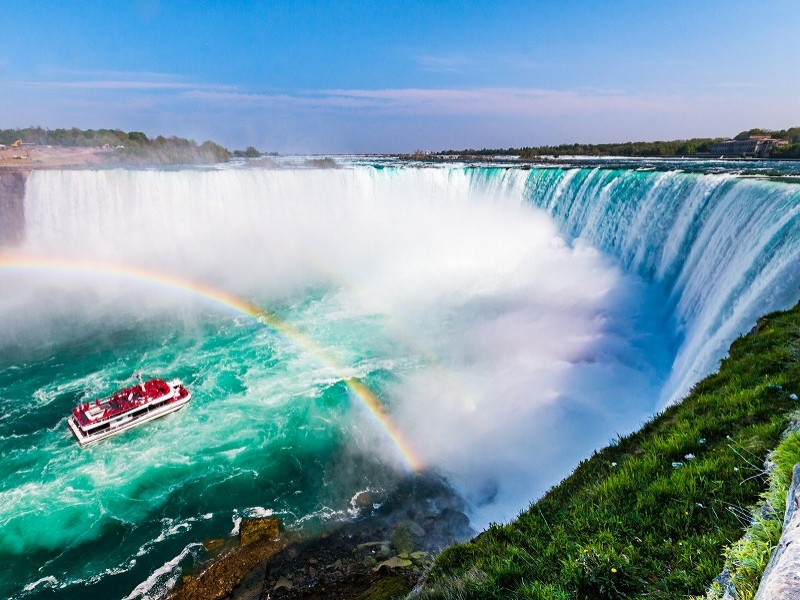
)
(525, 352)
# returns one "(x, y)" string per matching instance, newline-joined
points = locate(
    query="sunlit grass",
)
(652, 514)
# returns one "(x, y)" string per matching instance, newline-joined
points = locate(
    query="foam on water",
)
(511, 321)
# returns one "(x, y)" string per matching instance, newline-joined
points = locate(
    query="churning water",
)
(508, 320)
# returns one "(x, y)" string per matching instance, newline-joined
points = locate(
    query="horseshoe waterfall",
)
(340, 328)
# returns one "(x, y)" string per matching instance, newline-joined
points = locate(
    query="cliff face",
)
(12, 205)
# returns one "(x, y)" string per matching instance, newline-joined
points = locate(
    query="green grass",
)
(627, 523)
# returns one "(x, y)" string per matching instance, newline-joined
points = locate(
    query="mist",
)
(508, 352)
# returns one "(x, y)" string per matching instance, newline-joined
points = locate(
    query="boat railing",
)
(130, 401)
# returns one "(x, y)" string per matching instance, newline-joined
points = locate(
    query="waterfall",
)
(509, 320)
(726, 249)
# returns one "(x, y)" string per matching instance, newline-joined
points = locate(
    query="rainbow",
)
(367, 398)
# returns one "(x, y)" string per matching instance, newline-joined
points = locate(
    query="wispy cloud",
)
(479, 101)
(461, 63)
(118, 84)
(105, 85)
(114, 80)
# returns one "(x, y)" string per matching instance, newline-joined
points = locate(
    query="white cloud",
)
(105, 85)
(388, 119)
(61, 79)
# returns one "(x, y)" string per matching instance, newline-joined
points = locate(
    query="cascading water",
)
(503, 350)
(726, 249)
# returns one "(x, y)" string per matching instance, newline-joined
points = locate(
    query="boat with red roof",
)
(126, 409)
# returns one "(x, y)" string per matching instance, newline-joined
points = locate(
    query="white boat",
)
(126, 409)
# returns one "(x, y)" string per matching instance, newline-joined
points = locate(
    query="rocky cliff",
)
(12, 205)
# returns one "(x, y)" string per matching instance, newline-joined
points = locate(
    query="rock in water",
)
(252, 530)
(363, 499)
(212, 544)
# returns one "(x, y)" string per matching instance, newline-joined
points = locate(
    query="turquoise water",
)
(510, 322)
(268, 427)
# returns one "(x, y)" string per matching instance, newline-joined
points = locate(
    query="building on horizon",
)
(755, 146)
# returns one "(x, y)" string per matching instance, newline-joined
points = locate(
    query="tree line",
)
(658, 148)
(133, 147)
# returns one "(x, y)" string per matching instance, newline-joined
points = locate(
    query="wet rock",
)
(406, 536)
(345, 557)
(393, 563)
(252, 530)
(213, 544)
(364, 499)
(312, 572)
(283, 583)
(454, 525)
(12, 206)
(370, 562)
(371, 544)
(220, 578)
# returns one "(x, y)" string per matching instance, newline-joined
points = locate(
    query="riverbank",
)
(44, 157)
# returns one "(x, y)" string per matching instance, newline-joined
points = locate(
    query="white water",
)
(473, 301)
(725, 249)
(522, 342)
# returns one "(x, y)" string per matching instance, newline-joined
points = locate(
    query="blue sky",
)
(398, 76)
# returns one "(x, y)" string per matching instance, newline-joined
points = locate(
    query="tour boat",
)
(126, 409)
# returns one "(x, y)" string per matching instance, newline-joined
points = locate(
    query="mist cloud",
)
(513, 353)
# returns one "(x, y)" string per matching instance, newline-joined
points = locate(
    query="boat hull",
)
(125, 421)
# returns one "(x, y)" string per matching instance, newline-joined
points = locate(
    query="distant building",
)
(757, 146)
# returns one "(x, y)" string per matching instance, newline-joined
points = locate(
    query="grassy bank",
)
(652, 514)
